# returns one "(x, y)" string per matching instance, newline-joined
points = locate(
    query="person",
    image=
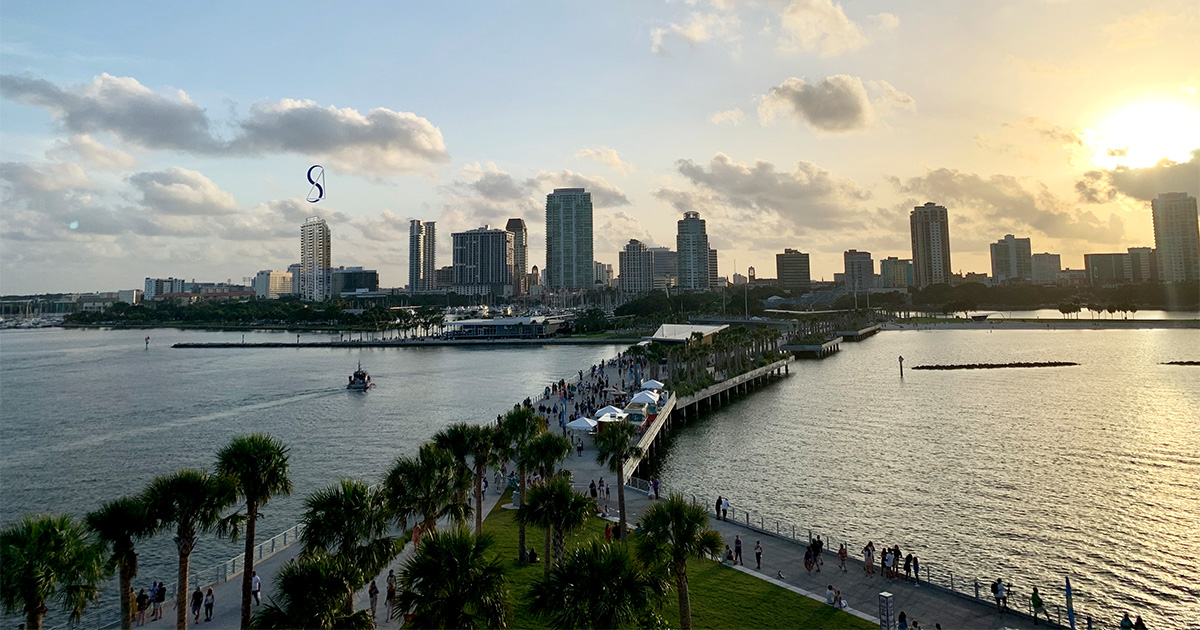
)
(160, 597)
(197, 600)
(579, 448)
(608, 532)
(1138, 624)
(902, 621)
(1039, 607)
(889, 562)
(842, 556)
(724, 509)
(868, 560)
(1126, 622)
(838, 602)
(737, 550)
(997, 592)
(255, 587)
(650, 492)
(391, 578)
(532, 555)
(373, 593)
(209, 600)
(143, 601)
(830, 595)
(389, 600)
(808, 559)
(917, 570)
(1004, 588)
(592, 489)
(818, 551)
(729, 555)
(607, 491)
(908, 568)
(758, 554)
(718, 509)
(655, 483)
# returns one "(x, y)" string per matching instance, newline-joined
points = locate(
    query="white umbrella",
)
(645, 397)
(582, 424)
(652, 384)
(611, 417)
(607, 410)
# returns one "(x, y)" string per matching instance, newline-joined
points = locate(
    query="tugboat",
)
(360, 380)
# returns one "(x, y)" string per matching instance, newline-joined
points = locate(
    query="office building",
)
(1141, 264)
(691, 243)
(1012, 260)
(602, 273)
(714, 282)
(895, 273)
(130, 296)
(444, 278)
(520, 255)
(422, 256)
(665, 266)
(483, 262)
(636, 266)
(930, 227)
(271, 285)
(347, 281)
(1176, 237)
(792, 269)
(1104, 269)
(314, 260)
(568, 239)
(738, 279)
(1045, 268)
(294, 271)
(159, 286)
(860, 270)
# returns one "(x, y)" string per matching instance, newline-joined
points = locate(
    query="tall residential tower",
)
(314, 260)
(568, 239)
(520, 255)
(930, 227)
(1176, 237)
(1012, 259)
(422, 256)
(691, 243)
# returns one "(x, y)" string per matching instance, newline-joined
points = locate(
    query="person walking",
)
(655, 482)
(737, 550)
(1039, 607)
(143, 602)
(841, 554)
(908, 568)
(758, 554)
(209, 601)
(608, 532)
(1138, 624)
(718, 508)
(917, 570)
(160, 598)
(373, 593)
(255, 587)
(197, 601)
(592, 489)
(389, 599)
(902, 621)
(818, 552)
(1126, 622)
(725, 509)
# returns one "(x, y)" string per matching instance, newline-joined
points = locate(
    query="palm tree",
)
(556, 507)
(309, 591)
(49, 559)
(192, 501)
(596, 586)
(471, 446)
(452, 582)
(257, 464)
(615, 447)
(545, 452)
(516, 429)
(118, 524)
(427, 486)
(673, 531)
(349, 522)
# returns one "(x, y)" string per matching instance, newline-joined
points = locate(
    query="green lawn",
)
(722, 597)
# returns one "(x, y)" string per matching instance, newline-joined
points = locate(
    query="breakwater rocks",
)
(1180, 363)
(995, 366)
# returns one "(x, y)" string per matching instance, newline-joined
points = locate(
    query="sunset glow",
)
(1143, 134)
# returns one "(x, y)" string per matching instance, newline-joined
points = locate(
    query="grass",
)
(722, 597)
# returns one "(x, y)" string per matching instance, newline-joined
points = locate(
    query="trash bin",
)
(516, 498)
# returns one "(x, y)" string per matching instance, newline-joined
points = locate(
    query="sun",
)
(1142, 134)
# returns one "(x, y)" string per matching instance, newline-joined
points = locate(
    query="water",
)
(87, 416)
(1053, 315)
(1091, 471)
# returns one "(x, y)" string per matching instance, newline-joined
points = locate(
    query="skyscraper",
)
(1012, 259)
(568, 239)
(930, 228)
(1045, 268)
(602, 273)
(483, 262)
(895, 272)
(520, 255)
(713, 282)
(860, 269)
(665, 263)
(691, 241)
(1176, 237)
(791, 267)
(422, 256)
(314, 260)
(636, 265)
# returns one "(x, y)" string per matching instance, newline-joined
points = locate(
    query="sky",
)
(173, 139)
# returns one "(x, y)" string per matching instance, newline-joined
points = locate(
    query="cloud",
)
(733, 116)
(179, 191)
(92, 152)
(608, 157)
(1034, 139)
(1002, 203)
(1101, 186)
(45, 177)
(822, 27)
(700, 27)
(380, 142)
(835, 104)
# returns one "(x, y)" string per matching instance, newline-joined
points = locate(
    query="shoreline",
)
(1047, 324)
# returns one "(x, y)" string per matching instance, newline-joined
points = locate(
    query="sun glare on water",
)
(1142, 134)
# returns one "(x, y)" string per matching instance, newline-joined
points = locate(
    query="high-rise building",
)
(270, 285)
(1141, 265)
(895, 273)
(665, 267)
(1012, 260)
(1176, 237)
(691, 241)
(792, 269)
(346, 281)
(636, 266)
(860, 269)
(1044, 268)
(444, 278)
(520, 255)
(314, 260)
(568, 239)
(483, 262)
(422, 256)
(602, 273)
(294, 271)
(160, 286)
(1105, 268)
(714, 282)
(930, 228)
(535, 277)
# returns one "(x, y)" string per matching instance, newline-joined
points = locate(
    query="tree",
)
(516, 429)
(615, 446)
(545, 452)
(596, 586)
(45, 560)
(192, 501)
(427, 486)
(555, 507)
(257, 465)
(452, 582)
(348, 521)
(309, 591)
(673, 531)
(118, 524)
(473, 451)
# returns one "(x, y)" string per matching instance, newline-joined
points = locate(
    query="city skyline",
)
(135, 151)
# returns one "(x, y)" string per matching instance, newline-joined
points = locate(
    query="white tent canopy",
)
(607, 410)
(582, 424)
(645, 397)
(612, 417)
(652, 384)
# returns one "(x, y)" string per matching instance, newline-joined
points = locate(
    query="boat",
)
(360, 380)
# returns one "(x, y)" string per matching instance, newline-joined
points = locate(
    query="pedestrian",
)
(808, 558)
(868, 560)
(758, 554)
(607, 491)
(389, 599)
(209, 600)
(650, 493)
(718, 509)
(592, 489)
(1039, 607)
(996, 586)
(373, 593)
(391, 578)
(724, 509)
(842, 556)
(160, 598)
(143, 601)
(655, 482)
(902, 621)
(197, 601)
(608, 532)
(578, 448)
(255, 587)
(737, 550)
(917, 570)
(1126, 622)
(830, 595)
(818, 551)
(1138, 624)
(889, 561)
(908, 567)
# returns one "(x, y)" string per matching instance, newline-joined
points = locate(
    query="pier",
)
(814, 350)
(412, 343)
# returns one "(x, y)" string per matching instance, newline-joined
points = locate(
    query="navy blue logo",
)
(317, 192)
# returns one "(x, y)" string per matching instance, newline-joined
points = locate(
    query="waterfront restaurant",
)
(682, 333)
(503, 328)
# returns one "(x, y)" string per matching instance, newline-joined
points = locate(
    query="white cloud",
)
(835, 104)
(608, 157)
(179, 191)
(819, 26)
(92, 152)
(700, 27)
(733, 116)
